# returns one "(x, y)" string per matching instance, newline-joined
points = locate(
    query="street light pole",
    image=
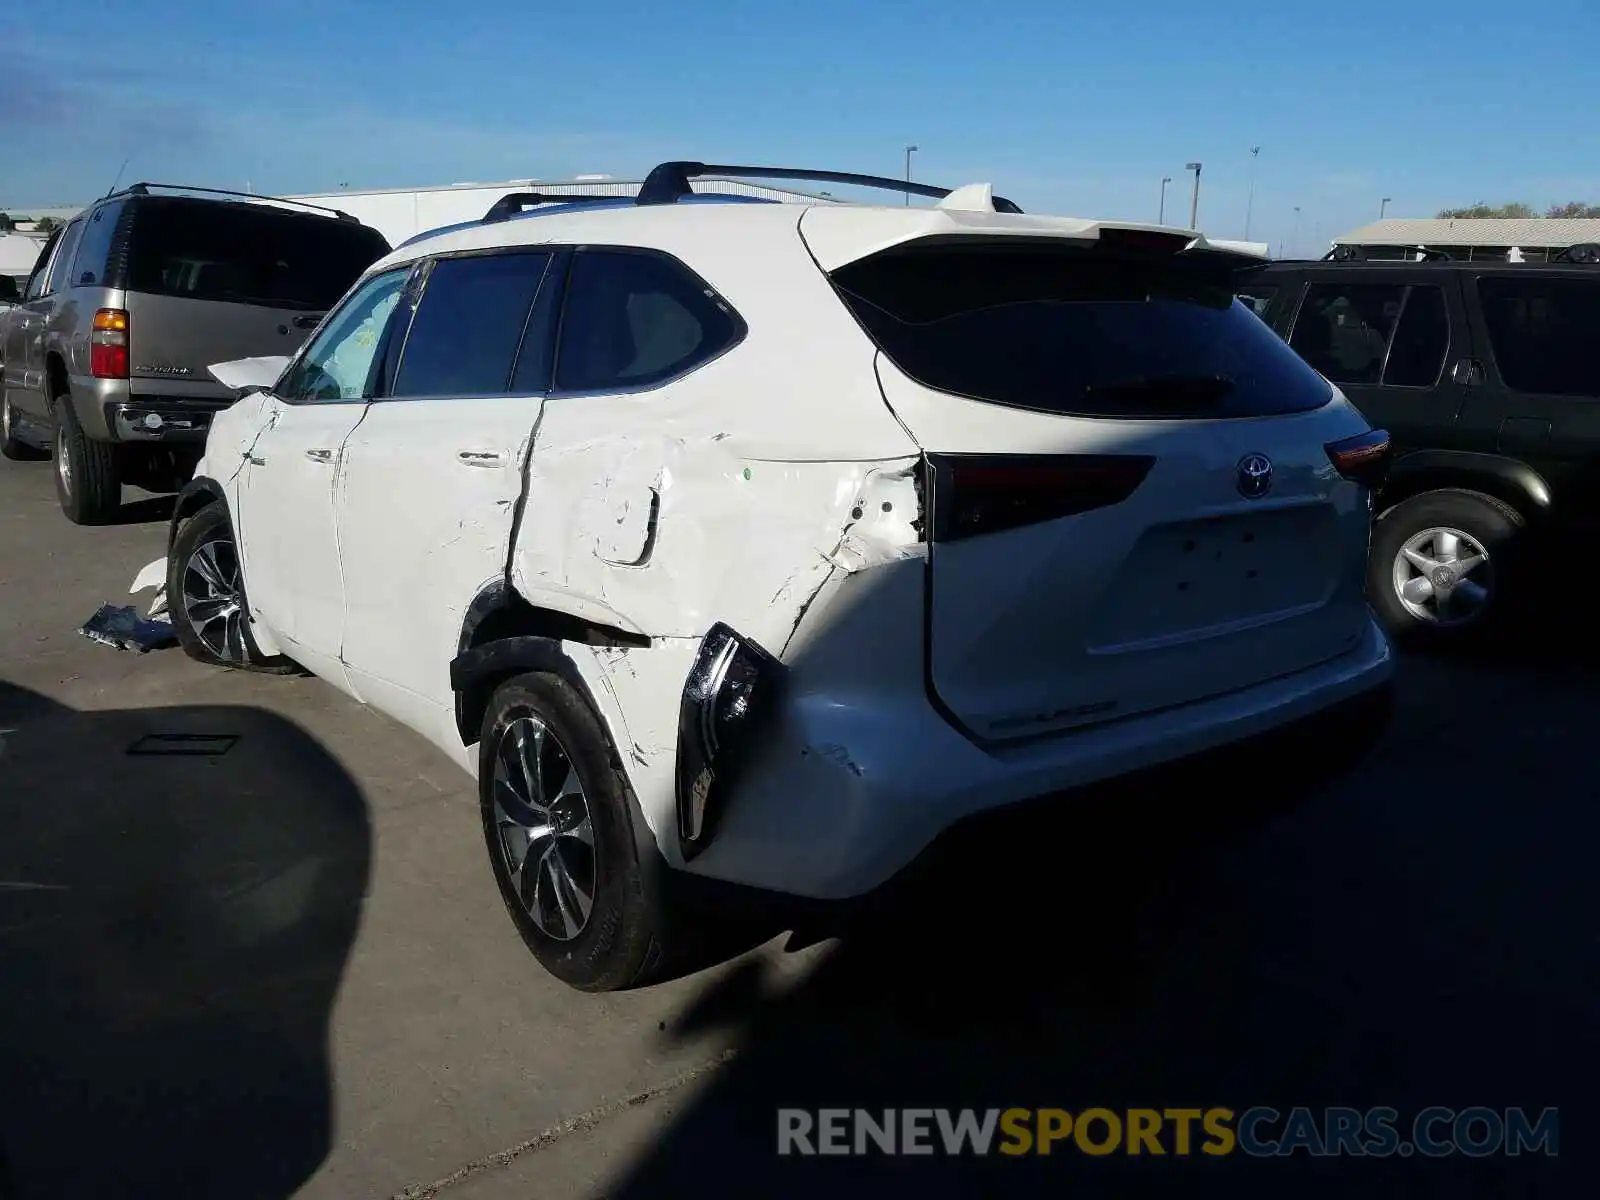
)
(910, 150)
(1384, 207)
(1297, 228)
(1161, 218)
(1194, 203)
(1250, 204)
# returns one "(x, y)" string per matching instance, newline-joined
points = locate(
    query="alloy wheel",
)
(63, 460)
(1443, 577)
(544, 831)
(213, 601)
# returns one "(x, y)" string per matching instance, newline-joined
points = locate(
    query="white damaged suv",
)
(764, 541)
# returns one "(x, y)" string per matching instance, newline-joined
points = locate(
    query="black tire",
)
(88, 488)
(1493, 524)
(621, 943)
(231, 644)
(10, 446)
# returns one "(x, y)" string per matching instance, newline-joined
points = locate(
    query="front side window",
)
(337, 365)
(633, 320)
(61, 268)
(469, 324)
(41, 268)
(1542, 333)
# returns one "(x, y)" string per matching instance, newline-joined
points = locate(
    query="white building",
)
(1472, 238)
(18, 252)
(402, 213)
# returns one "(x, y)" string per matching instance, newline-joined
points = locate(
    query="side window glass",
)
(61, 268)
(1541, 332)
(632, 320)
(41, 268)
(1420, 342)
(94, 248)
(1257, 297)
(1343, 329)
(338, 363)
(468, 325)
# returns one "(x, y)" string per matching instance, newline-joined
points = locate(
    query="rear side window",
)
(91, 265)
(468, 325)
(632, 320)
(1542, 333)
(1076, 331)
(61, 268)
(246, 253)
(1388, 334)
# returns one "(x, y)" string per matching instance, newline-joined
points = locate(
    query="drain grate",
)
(189, 745)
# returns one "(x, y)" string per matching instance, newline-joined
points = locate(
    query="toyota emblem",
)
(1254, 476)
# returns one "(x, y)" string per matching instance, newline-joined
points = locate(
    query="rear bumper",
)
(846, 793)
(112, 410)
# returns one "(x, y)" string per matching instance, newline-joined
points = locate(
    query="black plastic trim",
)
(1457, 467)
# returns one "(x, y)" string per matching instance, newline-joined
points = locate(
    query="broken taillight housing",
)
(1362, 459)
(730, 693)
(973, 494)
(108, 344)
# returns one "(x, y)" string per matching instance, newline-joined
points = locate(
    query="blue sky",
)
(1065, 108)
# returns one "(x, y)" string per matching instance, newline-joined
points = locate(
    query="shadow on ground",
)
(172, 933)
(1420, 932)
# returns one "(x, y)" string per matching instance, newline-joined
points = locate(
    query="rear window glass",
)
(1542, 332)
(1077, 332)
(247, 254)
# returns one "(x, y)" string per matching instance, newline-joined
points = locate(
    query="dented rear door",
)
(432, 477)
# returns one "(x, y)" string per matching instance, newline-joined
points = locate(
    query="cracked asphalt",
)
(285, 971)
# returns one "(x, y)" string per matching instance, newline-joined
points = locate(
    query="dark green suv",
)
(1487, 377)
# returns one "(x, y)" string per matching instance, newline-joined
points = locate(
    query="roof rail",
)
(143, 189)
(1359, 254)
(512, 204)
(670, 182)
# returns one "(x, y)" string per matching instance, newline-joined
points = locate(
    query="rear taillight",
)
(108, 344)
(979, 494)
(730, 693)
(1362, 459)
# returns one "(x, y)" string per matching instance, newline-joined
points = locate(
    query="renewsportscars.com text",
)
(1259, 1132)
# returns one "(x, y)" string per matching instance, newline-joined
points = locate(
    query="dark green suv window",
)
(1542, 333)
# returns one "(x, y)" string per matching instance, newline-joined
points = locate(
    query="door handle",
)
(321, 456)
(1468, 372)
(479, 458)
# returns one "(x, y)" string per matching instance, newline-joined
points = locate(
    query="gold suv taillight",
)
(108, 344)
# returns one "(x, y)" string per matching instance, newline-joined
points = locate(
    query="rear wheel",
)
(1441, 566)
(10, 446)
(86, 471)
(558, 822)
(206, 599)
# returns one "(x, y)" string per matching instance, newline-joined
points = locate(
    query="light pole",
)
(1250, 204)
(910, 150)
(1194, 204)
(1384, 207)
(1161, 218)
(1297, 228)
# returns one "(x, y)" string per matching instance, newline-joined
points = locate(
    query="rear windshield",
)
(1077, 331)
(247, 253)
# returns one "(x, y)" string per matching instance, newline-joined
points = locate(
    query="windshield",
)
(1076, 331)
(247, 253)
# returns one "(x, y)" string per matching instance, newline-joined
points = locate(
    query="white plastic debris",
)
(152, 575)
(250, 372)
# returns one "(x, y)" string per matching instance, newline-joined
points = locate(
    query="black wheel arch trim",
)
(501, 659)
(1456, 468)
(198, 493)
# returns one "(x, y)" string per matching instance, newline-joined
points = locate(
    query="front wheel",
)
(206, 600)
(558, 821)
(10, 446)
(1441, 566)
